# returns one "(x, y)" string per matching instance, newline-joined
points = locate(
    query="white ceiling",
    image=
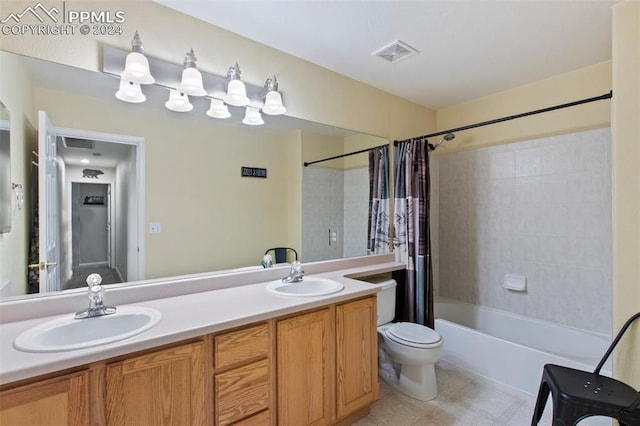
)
(467, 49)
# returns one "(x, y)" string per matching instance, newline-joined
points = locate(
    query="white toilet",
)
(407, 352)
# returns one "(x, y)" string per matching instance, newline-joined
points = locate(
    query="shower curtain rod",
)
(344, 155)
(512, 117)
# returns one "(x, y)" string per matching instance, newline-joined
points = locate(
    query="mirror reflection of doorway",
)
(82, 156)
(91, 237)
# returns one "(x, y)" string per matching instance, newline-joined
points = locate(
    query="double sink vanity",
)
(238, 348)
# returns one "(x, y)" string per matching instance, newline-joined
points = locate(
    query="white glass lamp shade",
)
(191, 83)
(178, 101)
(130, 92)
(218, 109)
(236, 94)
(273, 104)
(252, 117)
(136, 69)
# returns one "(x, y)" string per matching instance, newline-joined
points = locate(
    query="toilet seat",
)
(414, 335)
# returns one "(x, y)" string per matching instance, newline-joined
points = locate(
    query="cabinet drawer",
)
(241, 345)
(242, 392)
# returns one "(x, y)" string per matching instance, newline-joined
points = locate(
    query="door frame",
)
(139, 146)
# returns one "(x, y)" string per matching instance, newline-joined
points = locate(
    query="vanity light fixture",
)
(252, 117)
(191, 83)
(186, 80)
(136, 64)
(218, 109)
(272, 98)
(178, 101)
(236, 90)
(130, 92)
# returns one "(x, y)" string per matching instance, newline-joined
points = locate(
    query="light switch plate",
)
(155, 228)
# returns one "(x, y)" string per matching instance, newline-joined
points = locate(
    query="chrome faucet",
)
(267, 261)
(96, 294)
(296, 275)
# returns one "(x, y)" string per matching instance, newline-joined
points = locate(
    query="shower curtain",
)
(378, 229)
(411, 241)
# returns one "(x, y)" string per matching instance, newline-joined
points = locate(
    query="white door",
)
(48, 205)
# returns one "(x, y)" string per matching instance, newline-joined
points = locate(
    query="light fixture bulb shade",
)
(218, 109)
(252, 117)
(236, 94)
(130, 92)
(191, 83)
(136, 69)
(273, 104)
(178, 102)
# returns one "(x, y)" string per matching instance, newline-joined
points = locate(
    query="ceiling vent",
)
(395, 51)
(78, 143)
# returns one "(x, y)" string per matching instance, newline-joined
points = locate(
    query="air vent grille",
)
(79, 143)
(395, 51)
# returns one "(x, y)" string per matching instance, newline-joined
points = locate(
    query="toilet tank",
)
(386, 298)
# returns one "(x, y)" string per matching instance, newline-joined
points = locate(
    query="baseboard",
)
(93, 264)
(118, 273)
(354, 417)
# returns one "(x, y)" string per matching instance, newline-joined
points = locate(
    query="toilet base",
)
(418, 382)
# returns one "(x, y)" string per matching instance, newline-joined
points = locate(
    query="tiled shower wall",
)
(337, 200)
(356, 211)
(539, 208)
(322, 210)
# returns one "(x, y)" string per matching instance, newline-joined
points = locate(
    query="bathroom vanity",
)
(265, 359)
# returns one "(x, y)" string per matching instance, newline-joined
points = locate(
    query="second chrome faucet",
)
(296, 274)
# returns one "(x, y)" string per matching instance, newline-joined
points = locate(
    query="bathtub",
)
(511, 349)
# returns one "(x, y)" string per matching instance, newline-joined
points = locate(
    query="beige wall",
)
(626, 184)
(316, 147)
(584, 83)
(18, 98)
(357, 143)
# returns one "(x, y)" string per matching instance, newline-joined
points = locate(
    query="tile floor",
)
(462, 400)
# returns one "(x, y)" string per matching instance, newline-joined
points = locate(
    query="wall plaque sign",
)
(254, 172)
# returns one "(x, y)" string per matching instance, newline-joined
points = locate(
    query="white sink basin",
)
(309, 286)
(68, 334)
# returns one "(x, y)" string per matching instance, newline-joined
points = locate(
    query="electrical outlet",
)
(155, 228)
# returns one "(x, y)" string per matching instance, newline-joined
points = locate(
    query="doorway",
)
(98, 206)
(91, 236)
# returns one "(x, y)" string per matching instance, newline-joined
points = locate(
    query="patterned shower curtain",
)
(411, 241)
(378, 230)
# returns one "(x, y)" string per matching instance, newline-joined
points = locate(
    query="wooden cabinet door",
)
(167, 387)
(58, 401)
(357, 355)
(305, 368)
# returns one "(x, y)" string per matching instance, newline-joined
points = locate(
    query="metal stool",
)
(281, 253)
(577, 394)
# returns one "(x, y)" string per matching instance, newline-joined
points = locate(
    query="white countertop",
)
(186, 316)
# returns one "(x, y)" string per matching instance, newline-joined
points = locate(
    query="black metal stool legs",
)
(541, 402)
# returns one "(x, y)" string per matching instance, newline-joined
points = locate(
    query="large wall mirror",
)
(152, 193)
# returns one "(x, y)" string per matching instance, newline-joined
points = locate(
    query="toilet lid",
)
(414, 333)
